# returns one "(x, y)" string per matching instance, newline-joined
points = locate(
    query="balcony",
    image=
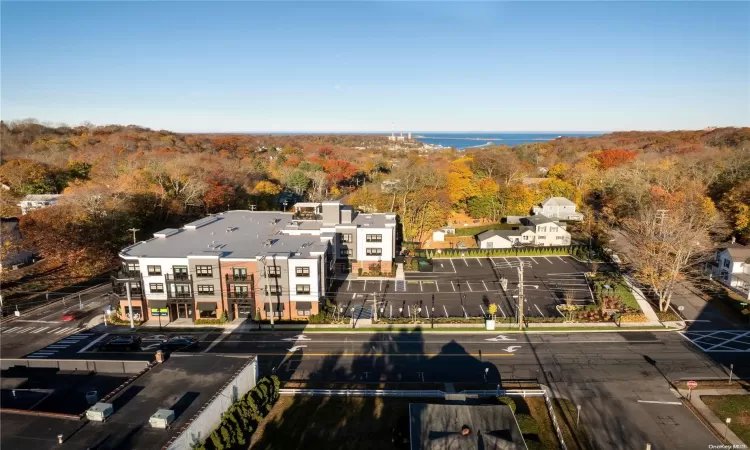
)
(125, 275)
(307, 215)
(178, 278)
(179, 296)
(240, 297)
(119, 289)
(239, 279)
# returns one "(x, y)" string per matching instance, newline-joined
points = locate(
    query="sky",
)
(423, 66)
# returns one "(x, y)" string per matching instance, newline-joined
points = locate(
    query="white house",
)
(537, 231)
(733, 268)
(558, 208)
(439, 235)
(32, 202)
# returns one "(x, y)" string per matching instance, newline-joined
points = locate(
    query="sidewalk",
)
(717, 423)
(641, 299)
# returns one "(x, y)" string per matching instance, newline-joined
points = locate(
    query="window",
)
(207, 314)
(136, 312)
(304, 312)
(154, 270)
(302, 271)
(727, 263)
(542, 229)
(345, 238)
(133, 267)
(559, 238)
(274, 290)
(205, 289)
(303, 289)
(374, 238)
(239, 274)
(374, 251)
(540, 237)
(156, 288)
(180, 273)
(204, 271)
(240, 291)
(273, 271)
(553, 229)
(525, 238)
(346, 252)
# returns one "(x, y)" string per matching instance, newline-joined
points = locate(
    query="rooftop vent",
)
(201, 223)
(166, 233)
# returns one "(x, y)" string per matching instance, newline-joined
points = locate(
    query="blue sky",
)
(244, 66)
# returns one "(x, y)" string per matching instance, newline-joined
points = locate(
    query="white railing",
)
(508, 392)
(363, 392)
(551, 410)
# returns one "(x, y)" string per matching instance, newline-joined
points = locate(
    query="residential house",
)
(10, 238)
(732, 268)
(37, 201)
(558, 208)
(538, 231)
(439, 235)
(245, 263)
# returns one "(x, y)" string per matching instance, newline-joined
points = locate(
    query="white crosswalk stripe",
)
(40, 330)
(46, 330)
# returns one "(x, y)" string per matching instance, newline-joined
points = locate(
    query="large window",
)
(304, 312)
(205, 289)
(727, 263)
(156, 288)
(303, 289)
(274, 290)
(133, 267)
(302, 271)
(346, 252)
(241, 291)
(137, 313)
(374, 238)
(154, 270)
(273, 271)
(239, 273)
(373, 251)
(204, 271)
(346, 238)
(207, 314)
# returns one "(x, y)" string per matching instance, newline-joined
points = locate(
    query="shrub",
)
(216, 440)
(508, 401)
(359, 271)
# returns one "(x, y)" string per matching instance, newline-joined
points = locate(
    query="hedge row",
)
(242, 418)
(489, 252)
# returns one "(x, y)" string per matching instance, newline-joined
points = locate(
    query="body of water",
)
(468, 140)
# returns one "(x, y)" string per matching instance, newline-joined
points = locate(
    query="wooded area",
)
(120, 177)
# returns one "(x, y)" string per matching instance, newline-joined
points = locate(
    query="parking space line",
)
(482, 309)
(364, 288)
(480, 262)
(469, 284)
(446, 311)
(466, 262)
(501, 311)
(380, 289)
(349, 285)
(92, 343)
(519, 259)
(454, 266)
(534, 260)
(547, 259)
(420, 286)
(453, 286)
(540, 311)
(464, 310)
(437, 286)
(485, 286)
(562, 260)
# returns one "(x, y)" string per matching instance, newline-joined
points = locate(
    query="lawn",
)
(618, 288)
(736, 407)
(473, 231)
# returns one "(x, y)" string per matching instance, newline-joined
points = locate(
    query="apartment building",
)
(249, 263)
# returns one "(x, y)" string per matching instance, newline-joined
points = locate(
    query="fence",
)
(500, 252)
(551, 410)
(197, 429)
(84, 365)
(408, 393)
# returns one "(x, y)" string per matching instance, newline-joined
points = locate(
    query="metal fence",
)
(551, 410)
(409, 393)
(84, 365)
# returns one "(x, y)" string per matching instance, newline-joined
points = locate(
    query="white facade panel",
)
(312, 280)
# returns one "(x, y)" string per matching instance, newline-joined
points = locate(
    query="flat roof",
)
(184, 383)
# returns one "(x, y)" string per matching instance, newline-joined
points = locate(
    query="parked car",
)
(71, 316)
(122, 343)
(180, 343)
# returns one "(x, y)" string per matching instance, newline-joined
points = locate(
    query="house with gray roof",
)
(540, 231)
(37, 201)
(558, 208)
(732, 268)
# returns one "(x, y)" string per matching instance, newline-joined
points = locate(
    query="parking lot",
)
(464, 287)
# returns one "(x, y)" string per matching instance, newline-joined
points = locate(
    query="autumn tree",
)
(665, 239)
(28, 177)
(736, 203)
(614, 157)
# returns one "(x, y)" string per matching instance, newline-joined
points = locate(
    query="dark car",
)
(180, 343)
(122, 343)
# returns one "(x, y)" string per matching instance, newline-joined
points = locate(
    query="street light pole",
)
(133, 230)
(130, 303)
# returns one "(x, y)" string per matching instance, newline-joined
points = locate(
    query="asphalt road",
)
(35, 330)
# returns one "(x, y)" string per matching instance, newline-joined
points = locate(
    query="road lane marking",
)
(381, 286)
(40, 330)
(660, 402)
(57, 346)
(10, 330)
(349, 285)
(91, 344)
(430, 355)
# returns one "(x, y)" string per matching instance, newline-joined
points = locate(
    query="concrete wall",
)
(124, 367)
(497, 242)
(208, 418)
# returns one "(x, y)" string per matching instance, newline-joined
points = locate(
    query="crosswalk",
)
(42, 330)
(50, 350)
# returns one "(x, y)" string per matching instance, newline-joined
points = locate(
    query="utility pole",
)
(520, 297)
(133, 230)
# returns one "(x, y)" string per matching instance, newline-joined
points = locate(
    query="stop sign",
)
(692, 384)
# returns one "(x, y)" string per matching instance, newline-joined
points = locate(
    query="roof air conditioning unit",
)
(161, 418)
(99, 412)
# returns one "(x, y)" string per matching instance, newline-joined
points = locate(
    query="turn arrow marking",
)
(299, 337)
(512, 348)
(500, 337)
(296, 347)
